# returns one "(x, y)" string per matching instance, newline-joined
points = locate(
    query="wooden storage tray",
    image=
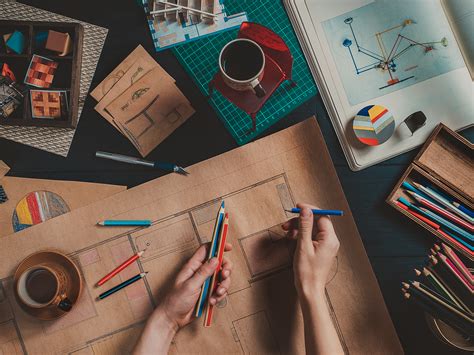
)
(446, 160)
(67, 76)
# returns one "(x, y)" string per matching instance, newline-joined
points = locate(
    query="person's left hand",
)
(180, 302)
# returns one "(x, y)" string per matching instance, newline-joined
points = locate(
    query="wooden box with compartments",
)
(445, 165)
(40, 70)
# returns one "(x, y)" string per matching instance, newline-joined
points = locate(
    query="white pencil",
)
(438, 198)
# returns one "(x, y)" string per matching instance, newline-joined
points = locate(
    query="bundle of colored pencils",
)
(216, 250)
(445, 290)
(439, 211)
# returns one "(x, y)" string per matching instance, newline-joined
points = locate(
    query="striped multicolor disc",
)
(37, 207)
(373, 125)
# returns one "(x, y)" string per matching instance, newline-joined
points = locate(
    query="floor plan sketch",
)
(260, 315)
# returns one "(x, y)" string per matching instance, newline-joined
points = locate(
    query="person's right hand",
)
(316, 249)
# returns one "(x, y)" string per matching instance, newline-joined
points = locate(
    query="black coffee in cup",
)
(41, 285)
(242, 60)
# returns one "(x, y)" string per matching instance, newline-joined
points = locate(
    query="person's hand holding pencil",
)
(317, 246)
(180, 302)
(176, 309)
(316, 250)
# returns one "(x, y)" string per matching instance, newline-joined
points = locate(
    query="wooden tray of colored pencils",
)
(437, 191)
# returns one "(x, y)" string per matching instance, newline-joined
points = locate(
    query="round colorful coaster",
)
(373, 125)
(37, 207)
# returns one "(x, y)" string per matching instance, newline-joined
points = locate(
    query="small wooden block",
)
(4, 169)
(48, 104)
(6, 71)
(5, 38)
(16, 42)
(59, 42)
(41, 72)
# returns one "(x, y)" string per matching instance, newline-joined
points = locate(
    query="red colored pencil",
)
(458, 262)
(220, 257)
(120, 268)
(451, 267)
(442, 211)
(459, 274)
(419, 216)
(455, 242)
(436, 227)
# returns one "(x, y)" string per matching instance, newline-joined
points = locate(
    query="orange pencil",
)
(119, 268)
(220, 257)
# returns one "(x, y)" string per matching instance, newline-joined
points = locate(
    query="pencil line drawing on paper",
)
(390, 45)
(387, 57)
(262, 261)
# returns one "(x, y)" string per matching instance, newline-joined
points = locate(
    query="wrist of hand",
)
(162, 321)
(308, 293)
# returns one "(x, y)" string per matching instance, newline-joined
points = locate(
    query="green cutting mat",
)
(199, 58)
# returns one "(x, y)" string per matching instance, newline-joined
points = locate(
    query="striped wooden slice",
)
(373, 125)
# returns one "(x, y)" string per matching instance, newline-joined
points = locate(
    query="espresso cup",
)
(44, 286)
(242, 63)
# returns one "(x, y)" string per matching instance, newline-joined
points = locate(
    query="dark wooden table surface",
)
(395, 245)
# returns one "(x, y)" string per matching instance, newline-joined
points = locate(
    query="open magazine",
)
(430, 48)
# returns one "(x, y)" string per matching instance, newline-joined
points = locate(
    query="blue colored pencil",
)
(453, 202)
(440, 199)
(410, 187)
(464, 209)
(319, 212)
(458, 239)
(125, 223)
(122, 285)
(212, 252)
(409, 204)
(435, 217)
(447, 224)
(444, 229)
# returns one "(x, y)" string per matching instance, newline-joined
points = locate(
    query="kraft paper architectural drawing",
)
(261, 314)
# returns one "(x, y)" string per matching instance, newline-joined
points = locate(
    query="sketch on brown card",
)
(261, 256)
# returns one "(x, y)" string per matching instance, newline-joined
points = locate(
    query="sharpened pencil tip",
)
(223, 204)
(101, 223)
